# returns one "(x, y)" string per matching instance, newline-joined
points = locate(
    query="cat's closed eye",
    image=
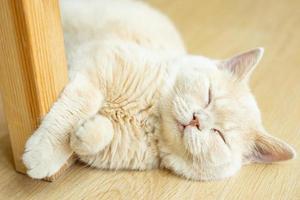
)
(209, 97)
(220, 134)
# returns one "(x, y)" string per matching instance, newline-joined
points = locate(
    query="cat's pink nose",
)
(194, 122)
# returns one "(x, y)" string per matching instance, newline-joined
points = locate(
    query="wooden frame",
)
(33, 67)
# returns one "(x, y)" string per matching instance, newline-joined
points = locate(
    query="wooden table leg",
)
(33, 67)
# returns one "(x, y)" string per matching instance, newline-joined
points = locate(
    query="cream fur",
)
(133, 87)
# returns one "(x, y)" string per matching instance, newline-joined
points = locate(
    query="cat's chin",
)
(199, 169)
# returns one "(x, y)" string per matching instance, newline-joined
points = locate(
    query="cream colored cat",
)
(137, 100)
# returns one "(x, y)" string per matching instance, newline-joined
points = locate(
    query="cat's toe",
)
(81, 144)
(92, 136)
(37, 157)
(38, 172)
(43, 159)
(36, 151)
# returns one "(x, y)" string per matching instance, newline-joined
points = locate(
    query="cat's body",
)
(126, 51)
(136, 100)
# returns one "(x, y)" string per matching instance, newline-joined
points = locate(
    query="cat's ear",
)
(267, 149)
(242, 65)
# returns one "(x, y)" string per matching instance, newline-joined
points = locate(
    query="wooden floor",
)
(217, 29)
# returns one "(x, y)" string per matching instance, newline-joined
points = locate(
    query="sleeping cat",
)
(137, 100)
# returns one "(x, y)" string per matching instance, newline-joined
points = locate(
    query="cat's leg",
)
(93, 136)
(48, 149)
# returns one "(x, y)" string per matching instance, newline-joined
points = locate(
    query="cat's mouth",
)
(182, 127)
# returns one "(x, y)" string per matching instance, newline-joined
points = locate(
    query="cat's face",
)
(211, 124)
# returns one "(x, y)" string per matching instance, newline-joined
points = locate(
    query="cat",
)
(137, 100)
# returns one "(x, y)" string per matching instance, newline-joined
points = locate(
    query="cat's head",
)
(211, 124)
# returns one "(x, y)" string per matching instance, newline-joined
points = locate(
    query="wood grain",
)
(218, 29)
(33, 66)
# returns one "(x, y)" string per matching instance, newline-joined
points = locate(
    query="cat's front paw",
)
(43, 157)
(92, 136)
